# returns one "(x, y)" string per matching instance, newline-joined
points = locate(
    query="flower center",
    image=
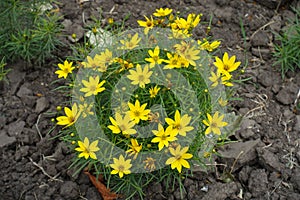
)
(149, 24)
(137, 113)
(214, 125)
(121, 168)
(141, 77)
(226, 67)
(122, 127)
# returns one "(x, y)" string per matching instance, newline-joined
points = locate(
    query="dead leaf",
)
(103, 190)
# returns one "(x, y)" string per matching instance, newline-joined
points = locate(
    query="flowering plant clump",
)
(149, 105)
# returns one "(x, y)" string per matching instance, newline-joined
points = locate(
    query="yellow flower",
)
(92, 62)
(140, 77)
(148, 24)
(138, 112)
(180, 124)
(226, 80)
(214, 78)
(162, 12)
(87, 150)
(154, 57)
(209, 46)
(180, 34)
(191, 54)
(163, 137)
(222, 102)
(135, 148)
(70, 118)
(124, 64)
(92, 87)
(149, 164)
(124, 125)
(226, 65)
(131, 43)
(153, 91)
(179, 158)
(191, 22)
(121, 166)
(85, 109)
(173, 62)
(214, 123)
(65, 69)
(106, 57)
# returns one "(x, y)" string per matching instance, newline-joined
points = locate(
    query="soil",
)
(264, 161)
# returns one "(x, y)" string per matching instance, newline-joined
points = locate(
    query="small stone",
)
(24, 91)
(243, 152)
(267, 78)
(296, 178)
(16, 128)
(22, 152)
(263, 53)
(284, 97)
(15, 78)
(272, 4)
(258, 182)
(2, 121)
(269, 160)
(261, 38)
(276, 26)
(41, 105)
(69, 190)
(93, 194)
(297, 124)
(5, 140)
(221, 191)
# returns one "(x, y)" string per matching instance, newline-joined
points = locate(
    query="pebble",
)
(258, 182)
(69, 190)
(16, 128)
(5, 140)
(41, 104)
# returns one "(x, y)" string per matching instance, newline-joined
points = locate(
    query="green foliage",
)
(27, 31)
(3, 71)
(288, 51)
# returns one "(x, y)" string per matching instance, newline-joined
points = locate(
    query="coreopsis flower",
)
(106, 57)
(154, 57)
(163, 137)
(70, 118)
(92, 87)
(92, 62)
(135, 148)
(85, 109)
(222, 102)
(180, 124)
(209, 46)
(173, 61)
(121, 166)
(153, 91)
(148, 24)
(87, 150)
(124, 64)
(138, 112)
(131, 43)
(64, 69)
(120, 124)
(140, 76)
(179, 158)
(162, 12)
(149, 164)
(226, 65)
(216, 77)
(191, 55)
(214, 123)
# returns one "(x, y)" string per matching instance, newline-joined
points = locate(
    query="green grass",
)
(27, 32)
(287, 53)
